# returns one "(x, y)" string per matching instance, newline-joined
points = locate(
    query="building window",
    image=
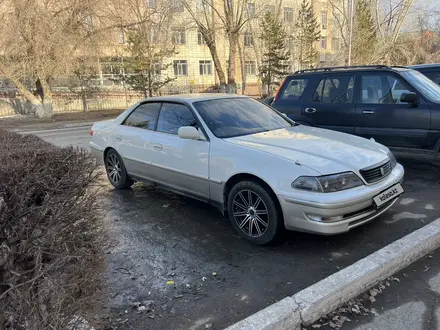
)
(288, 14)
(270, 9)
(181, 68)
(179, 36)
(154, 34)
(323, 42)
(203, 5)
(251, 10)
(200, 39)
(335, 44)
(324, 20)
(250, 68)
(205, 68)
(177, 6)
(151, 4)
(157, 68)
(121, 36)
(248, 39)
(230, 4)
(89, 23)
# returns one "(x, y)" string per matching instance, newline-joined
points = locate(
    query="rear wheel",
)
(116, 172)
(254, 213)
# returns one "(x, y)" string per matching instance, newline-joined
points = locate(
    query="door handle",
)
(368, 112)
(157, 147)
(310, 110)
(118, 138)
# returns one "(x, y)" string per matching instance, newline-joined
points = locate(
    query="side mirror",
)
(410, 98)
(189, 133)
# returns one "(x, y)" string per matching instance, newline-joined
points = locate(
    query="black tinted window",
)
(293, 89)
(382, 89)
(335, 89)
(239, 116)
(144, 116)
(434, 76)
(173, 116)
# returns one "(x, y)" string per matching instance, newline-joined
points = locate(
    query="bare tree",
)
(42, 39)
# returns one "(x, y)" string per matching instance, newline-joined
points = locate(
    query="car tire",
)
(116, 172)
(254, 213)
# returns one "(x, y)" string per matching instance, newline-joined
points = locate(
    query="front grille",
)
(377, 173)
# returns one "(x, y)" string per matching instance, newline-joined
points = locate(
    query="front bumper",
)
(355, 206)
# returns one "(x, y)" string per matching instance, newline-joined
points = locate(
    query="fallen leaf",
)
(170, 282)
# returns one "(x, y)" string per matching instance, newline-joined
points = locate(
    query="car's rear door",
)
(180, 164)
(291, 95)
(331, 103)
(133, 139)
(381, 115)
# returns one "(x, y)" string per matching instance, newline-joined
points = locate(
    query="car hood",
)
(322, 150)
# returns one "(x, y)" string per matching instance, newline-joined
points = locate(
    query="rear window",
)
(293, 89)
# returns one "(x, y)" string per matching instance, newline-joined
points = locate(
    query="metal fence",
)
(11, 103)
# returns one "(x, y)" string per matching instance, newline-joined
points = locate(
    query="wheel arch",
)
(236, 178)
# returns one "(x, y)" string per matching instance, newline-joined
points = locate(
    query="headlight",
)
(393, 161)
(328, 183)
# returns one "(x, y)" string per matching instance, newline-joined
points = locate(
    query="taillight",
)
(279, 89)
(91, 132)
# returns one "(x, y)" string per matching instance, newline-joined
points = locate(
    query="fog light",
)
(324, 219)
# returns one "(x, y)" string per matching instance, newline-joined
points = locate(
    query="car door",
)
(290, 96)
(331, 104)
(381, 115)
(133, 139)
(180, 164)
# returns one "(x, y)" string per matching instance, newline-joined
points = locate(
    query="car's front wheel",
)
(116, 171)
(254, 213)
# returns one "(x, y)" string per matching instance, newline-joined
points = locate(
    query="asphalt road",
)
(184, 258)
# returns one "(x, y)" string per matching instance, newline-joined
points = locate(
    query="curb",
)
(309, 305)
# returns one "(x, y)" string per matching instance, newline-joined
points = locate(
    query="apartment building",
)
(192, 65)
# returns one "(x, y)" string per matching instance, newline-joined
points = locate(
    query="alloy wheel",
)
(251, 213)
(114, 168)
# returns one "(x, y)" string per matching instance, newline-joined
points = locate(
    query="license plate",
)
(389, 194)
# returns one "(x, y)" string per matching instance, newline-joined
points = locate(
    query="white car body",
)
(204, 168)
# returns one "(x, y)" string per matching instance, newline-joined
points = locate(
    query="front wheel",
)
(254, 213)
(116, 172)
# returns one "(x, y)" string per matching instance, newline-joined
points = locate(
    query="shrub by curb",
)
(50, 232)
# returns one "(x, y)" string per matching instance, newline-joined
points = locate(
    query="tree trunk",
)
(43, 109)
(232, 85)
(241, 54)
(150, 85)
(217, 64)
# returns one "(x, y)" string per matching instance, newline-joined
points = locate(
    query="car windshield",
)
(426, 86)
(239, 116)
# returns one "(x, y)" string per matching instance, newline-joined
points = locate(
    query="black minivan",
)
(396, 106)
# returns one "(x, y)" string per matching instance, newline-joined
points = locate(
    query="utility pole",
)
(351, 30)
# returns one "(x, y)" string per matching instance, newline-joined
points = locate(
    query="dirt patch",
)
(59, 120)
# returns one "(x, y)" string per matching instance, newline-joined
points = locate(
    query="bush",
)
(50, 233)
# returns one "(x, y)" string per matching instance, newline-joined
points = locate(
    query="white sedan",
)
(262, 169)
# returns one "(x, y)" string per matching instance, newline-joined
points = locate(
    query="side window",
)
(434, 76)
(144, 116)
(173, 116)
(294, 89)
(335, 89)
(382, 89)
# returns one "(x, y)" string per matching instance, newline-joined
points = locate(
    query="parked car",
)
(396, 106)
(432, 71)
(262, 169)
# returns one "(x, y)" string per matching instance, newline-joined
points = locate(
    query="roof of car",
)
(425, 66)
(350, 69)
(191, 98)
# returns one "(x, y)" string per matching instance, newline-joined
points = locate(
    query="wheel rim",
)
(250, 213)
(114, 170)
